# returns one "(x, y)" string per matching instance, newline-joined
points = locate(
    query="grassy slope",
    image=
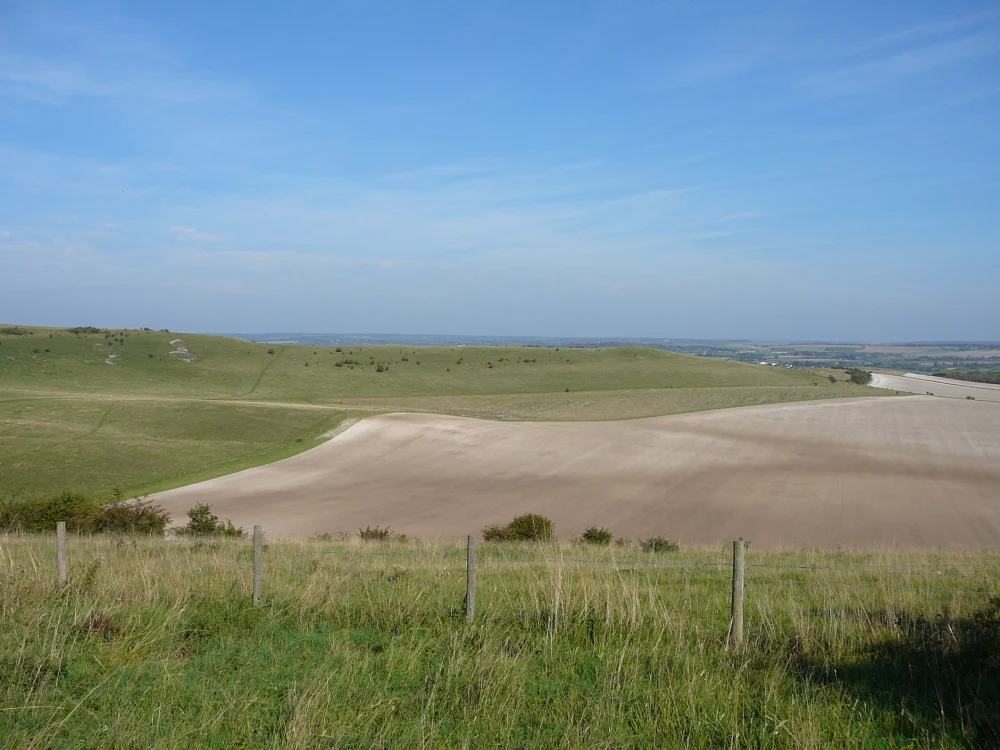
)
(155, 645)
(174, 421)
(91, 446)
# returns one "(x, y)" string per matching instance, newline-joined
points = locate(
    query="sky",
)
(673, 168)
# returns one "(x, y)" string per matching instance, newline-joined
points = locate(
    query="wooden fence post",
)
(736, 624)
(470, 579)
(258, 563)
(61, 554)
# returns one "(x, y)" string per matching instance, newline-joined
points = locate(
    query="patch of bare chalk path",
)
(915, 472)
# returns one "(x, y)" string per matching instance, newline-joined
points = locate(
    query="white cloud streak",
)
(866, 76)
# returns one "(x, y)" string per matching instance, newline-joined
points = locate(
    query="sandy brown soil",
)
(916, 471)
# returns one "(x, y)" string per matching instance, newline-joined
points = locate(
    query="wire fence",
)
(875, 579)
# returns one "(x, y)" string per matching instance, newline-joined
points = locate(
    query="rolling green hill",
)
(90, 410)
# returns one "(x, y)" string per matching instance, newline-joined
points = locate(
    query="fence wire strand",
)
(456, 556)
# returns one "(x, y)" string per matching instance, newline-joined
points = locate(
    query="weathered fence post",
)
(470, 580)
(61, 554)
(258, 563)
(736, 624)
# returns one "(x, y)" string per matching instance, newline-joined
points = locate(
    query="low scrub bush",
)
(594, 535)
(659, 544)
(378, 534)
(138, 516)
(527, 528)
(203, 522)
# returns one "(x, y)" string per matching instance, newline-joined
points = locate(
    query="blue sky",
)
(688, 168)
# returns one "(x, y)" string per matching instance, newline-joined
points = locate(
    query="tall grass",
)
(156, 644)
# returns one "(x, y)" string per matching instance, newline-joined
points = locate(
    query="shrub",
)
(594, 535)
(78, 511)
(138, 516)
(659, 544)
(527, 528)
(83, 514)
(859, 377)
(378, 534)
(495, 534)
(203, 522)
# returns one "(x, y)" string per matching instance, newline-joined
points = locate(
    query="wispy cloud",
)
(937, 27)
(861, 77)
(55, 60)
(716, 68)
(190, 234)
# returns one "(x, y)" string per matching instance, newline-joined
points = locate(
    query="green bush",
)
(138, 516)
(203, 522)
(859, 377)
(78, 511)
(527, 528)
(83, 514)
(659, 544)
(594, 535)
(378, 534)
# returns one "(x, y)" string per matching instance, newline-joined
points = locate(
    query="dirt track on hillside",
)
(938, 387)
(915, 471)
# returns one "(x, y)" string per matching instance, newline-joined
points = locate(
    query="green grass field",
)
(144, 410)
(155, 644)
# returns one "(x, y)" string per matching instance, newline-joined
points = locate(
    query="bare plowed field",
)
(917, 471)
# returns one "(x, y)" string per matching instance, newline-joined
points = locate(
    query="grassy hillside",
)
(156, 645)
(213, 367)
(91, 446)
(138, 409)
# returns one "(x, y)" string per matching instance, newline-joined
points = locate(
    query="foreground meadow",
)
(157, 644)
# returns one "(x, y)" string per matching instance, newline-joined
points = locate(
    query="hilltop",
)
(90, 409)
